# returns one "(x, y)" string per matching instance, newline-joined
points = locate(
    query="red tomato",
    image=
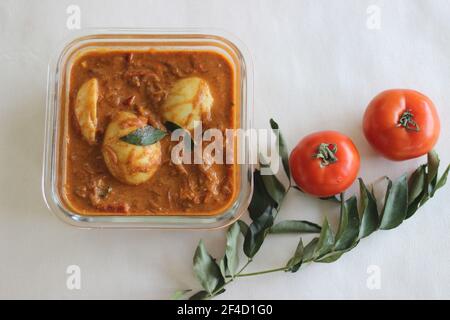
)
(324, 163)
(401, 124)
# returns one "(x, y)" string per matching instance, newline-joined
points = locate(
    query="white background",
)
(316, 66)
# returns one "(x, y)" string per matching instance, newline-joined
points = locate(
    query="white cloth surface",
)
(316, 66)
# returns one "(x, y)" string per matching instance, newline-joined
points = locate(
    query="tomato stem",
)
(406, 120)
(326, 152)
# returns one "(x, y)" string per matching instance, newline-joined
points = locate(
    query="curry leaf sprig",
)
(359, 218)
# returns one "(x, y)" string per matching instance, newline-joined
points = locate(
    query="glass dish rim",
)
(144, 222)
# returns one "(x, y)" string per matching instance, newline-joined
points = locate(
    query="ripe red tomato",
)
(401, 124)
(324, 163)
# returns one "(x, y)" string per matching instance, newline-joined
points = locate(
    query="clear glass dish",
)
(141, 39)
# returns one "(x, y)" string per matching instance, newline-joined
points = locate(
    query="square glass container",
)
(143, 39)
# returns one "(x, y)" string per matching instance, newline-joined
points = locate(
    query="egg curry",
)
(120, 110)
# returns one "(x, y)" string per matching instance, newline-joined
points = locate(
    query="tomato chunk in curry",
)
(111, 94)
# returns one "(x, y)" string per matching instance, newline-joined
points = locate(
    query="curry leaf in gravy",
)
(144, 136)
(172, 126)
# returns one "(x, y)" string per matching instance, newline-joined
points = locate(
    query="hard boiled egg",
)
(86, 109)
(130, 164)
(188, 100)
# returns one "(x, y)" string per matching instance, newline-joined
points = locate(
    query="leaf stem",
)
(231, 278)
(245, 266)
(261, 272)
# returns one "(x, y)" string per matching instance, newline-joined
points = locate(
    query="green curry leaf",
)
(310, 248)
(416, 184)
(368, 211)
(243, 227)
(257, 231)
(261, 200)
(206, 269)
(335, 255)
(295, 226)
(326, 240)
(433, 165)
(274, 188)
(296, 261)
(349, 225)
(330, 257)
(223, 266)
(282, 147)
(396, 204)
(144, 136)
(231, 251)
(442, 180)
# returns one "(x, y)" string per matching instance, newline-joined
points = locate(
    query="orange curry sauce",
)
(138, 81)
